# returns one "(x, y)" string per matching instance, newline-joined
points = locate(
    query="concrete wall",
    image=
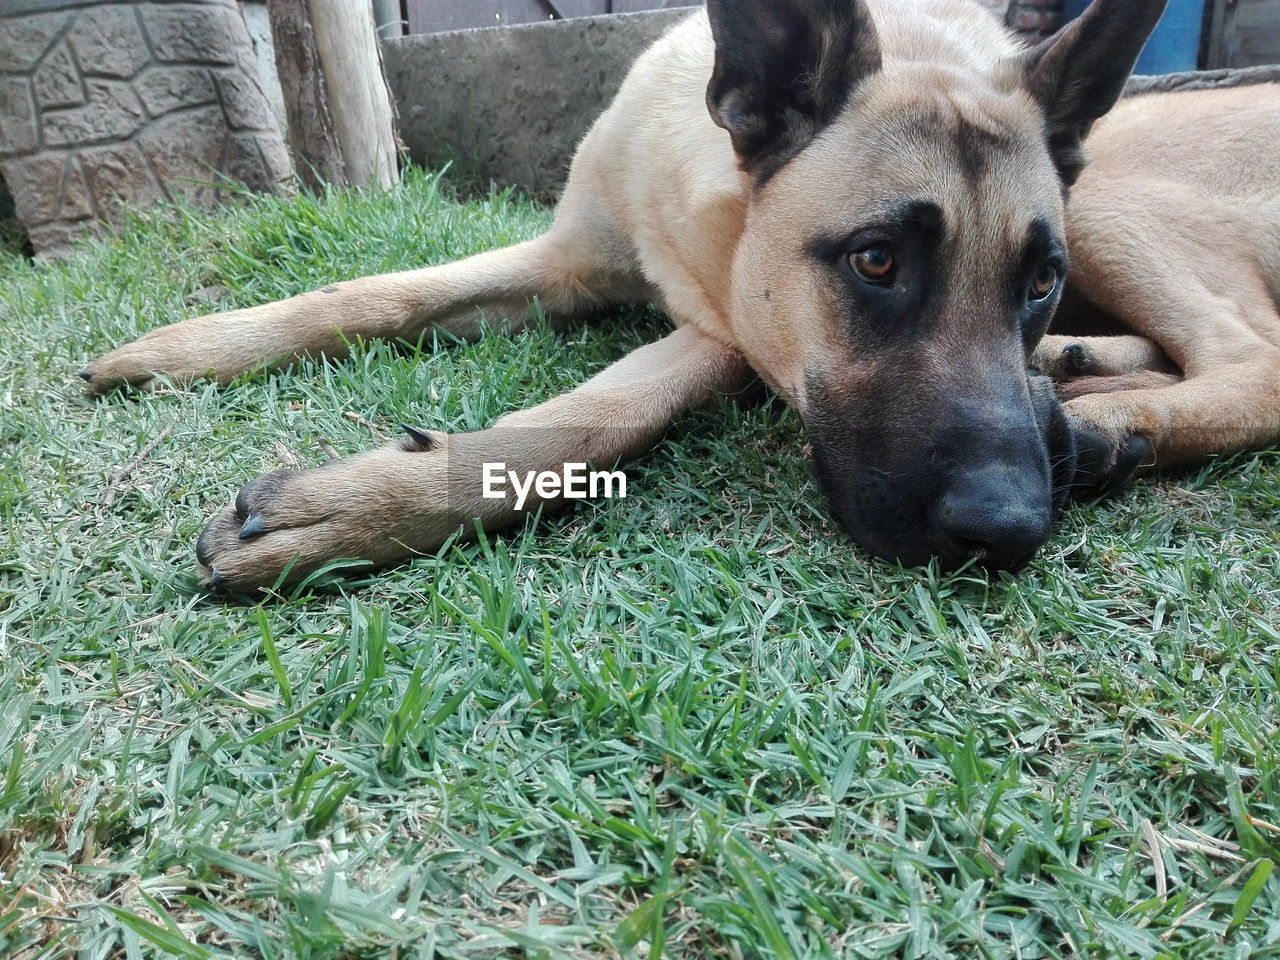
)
(509, 105)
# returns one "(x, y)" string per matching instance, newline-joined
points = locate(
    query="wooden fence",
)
(434, 16)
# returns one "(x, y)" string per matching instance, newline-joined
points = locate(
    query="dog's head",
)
(905, 251)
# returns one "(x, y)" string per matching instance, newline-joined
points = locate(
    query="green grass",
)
(13, 239)
(694, 724)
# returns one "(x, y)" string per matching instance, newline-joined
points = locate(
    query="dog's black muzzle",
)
(961, 480)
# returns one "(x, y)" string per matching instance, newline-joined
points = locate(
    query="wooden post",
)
(342, 123)
(312, 140)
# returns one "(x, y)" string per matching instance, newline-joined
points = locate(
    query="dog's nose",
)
(990, 519)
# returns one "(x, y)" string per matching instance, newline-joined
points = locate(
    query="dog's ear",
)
(1078, 74)
(784, 69)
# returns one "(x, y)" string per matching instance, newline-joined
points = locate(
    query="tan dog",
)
(1174, 232)
(862, 202)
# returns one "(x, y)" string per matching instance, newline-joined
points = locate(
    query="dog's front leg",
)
(565, 271)
(1233, 406)
(409, 497)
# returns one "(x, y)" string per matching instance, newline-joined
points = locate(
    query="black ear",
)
(1078, 74)
(784, 69)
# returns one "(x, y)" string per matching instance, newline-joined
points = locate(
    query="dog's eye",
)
(874, 264)
(1045, 281)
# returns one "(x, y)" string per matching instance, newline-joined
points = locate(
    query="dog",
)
(862, 203)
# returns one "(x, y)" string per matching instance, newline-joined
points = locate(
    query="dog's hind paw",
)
(1104, 465)
(1065, 358)
(1068, 359)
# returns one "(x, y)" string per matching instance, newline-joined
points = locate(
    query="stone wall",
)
(1202, 80)
(107, 104)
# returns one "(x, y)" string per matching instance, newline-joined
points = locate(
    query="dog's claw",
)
(1074, 359)
(1102, 468)
(255, 526)
(424, 441)
(206, 543)
(1134, 453)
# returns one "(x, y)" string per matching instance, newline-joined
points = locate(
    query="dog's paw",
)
(376, 509)
(1128, 360)
(220, 346)
(127, 366)
(274, 522)
(179, 353)
(1064, 358)
(1105, 461)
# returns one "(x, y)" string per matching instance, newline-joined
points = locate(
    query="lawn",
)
(696, 723)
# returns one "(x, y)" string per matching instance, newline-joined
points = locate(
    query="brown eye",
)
(1045, 281)
(874, 264)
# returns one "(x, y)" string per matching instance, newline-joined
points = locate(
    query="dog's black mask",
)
(949, 477)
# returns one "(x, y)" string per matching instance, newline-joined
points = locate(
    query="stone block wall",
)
(104, 104)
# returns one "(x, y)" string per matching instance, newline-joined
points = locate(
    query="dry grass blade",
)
(126, 470)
